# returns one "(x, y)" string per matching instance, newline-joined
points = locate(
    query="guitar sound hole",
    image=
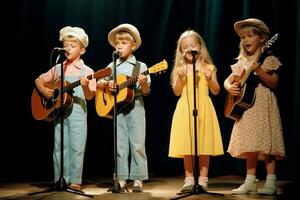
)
(104, 97)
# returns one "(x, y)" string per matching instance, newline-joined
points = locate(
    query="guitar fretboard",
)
(99, 74)
(75, 84)
(131, 80)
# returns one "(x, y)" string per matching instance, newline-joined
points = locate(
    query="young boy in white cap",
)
(257, 135)
(75, 41)
(131, 121)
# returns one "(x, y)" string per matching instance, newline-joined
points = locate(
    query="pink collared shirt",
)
(70, 69)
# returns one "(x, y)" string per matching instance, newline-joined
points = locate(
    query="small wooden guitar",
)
(235, 106)
(125, 94)
(48, 109)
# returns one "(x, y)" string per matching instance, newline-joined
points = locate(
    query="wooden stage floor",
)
(154, 188)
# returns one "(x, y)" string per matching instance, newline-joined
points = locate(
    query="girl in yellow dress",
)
(209, 141)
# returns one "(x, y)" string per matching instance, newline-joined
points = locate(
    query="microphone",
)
(193, 52)
(116, 54)
(60, 49)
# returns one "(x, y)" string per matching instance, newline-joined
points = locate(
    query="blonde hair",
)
(73, 39)
(249, 30)
(179, 61)
(124, 35)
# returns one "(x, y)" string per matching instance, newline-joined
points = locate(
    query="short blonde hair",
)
(73, 39)
(249, 30)
(123, 35)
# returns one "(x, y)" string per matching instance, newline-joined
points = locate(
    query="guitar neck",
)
(248, 71)
(132, 80)
(70, 86)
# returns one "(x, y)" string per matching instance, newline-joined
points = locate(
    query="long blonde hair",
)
(179, 60)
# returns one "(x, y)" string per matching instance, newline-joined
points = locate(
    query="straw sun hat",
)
(76, 32)
(251, 22)
(132, 30)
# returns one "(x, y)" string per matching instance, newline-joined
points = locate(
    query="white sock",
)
(189, 180)
(138, 183)
(271, 180)
(250, 179)
(203, 180)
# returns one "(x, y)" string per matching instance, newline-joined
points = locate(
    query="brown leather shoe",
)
(75, 186)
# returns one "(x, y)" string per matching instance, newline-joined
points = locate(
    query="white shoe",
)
(246, 188)
(267, 190)
(204, 186)
(203, 181)
(137, 186)
(187, 188)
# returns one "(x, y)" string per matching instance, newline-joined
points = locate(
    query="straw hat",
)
(132, 30)
(75, 32)
(251, 22)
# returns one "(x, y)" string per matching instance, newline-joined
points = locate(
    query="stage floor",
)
(155, 188)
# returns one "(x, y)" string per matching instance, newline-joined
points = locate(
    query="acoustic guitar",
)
(48, 109)
(235, 106)
(104, 98)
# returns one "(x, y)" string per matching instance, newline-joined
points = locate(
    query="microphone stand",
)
(197, 189)
(61, 184)
(116, 187)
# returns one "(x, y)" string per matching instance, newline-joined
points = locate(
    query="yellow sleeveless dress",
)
(208, 130)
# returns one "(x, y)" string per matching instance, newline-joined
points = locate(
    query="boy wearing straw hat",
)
(75, 41)
(131, 121)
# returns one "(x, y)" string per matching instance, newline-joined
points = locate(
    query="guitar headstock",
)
(270, 42)
(266, 50)
(159, 67)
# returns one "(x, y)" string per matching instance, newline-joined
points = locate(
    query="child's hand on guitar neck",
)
(142, 80)
(256, 67)
(84, 81)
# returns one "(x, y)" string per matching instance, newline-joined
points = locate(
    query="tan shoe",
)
(246, 188)
(267, 190)
(75, 186)
(187, 188)
(137, 186)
